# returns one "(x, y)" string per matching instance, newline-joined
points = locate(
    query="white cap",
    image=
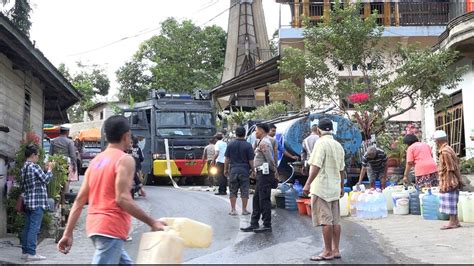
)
(439, 134)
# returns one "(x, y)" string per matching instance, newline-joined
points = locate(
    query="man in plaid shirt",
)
(35, 199)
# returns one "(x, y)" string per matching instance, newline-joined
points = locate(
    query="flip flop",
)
(246, 213)
(232, 213)
(320, 258)
(337, 256)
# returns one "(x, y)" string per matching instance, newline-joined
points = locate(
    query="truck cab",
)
(172, 130)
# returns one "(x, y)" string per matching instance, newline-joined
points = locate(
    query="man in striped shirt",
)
(374, 163)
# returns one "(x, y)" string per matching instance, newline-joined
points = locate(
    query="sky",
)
(68, 31)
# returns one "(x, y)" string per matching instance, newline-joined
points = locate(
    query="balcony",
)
(389, 13)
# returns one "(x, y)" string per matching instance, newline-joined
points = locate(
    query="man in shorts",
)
(374, 162)
(325, 184)
(238, 167)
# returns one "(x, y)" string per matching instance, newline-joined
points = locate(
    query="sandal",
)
(245, 213)
(233, 213)
(320, 258)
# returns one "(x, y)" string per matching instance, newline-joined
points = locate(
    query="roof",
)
(99, 104)
(59, 93)
(258, 77)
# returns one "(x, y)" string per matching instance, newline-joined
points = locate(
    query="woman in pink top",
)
(420, 156)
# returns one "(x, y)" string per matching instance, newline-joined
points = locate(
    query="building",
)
(457, 119)
(103, 110)
(32, 92)
(405, 22)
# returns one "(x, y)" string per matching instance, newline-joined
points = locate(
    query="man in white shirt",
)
(219, 161)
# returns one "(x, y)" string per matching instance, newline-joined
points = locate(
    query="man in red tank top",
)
(106, 189)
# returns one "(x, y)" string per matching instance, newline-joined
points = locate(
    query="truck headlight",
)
(213, 170)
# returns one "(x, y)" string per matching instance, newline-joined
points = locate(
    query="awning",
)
(262, 75)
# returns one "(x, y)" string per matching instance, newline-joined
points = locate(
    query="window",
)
(101, 115)
(340, 67)
(170, 119)
(354, 67)
(199, 119)
(27, 111)
(452, 121)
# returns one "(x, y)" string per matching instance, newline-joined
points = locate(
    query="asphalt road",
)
(293, 239)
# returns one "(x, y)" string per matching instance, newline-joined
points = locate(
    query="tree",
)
(388, 74)
(182, 58)
(19, 14)
(91, 81)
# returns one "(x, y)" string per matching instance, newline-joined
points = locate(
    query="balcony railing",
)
(399, 13)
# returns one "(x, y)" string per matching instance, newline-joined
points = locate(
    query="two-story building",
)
(405, 22)
(457, 118)
(32, 92)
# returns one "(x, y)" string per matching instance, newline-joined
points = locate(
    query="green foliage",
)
(91, 81)
(393, 147)
(467, 166)
(389, 73)
(19, 15)
(15, 221)
(269, 111)
(60, 176)
(182, 58)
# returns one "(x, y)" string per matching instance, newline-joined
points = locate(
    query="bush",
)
(467, 166)
(268, 112)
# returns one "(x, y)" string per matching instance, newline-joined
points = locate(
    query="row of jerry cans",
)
(364, 204)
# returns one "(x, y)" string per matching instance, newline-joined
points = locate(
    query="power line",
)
(144, 31)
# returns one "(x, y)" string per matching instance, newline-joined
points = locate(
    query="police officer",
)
(267, 178)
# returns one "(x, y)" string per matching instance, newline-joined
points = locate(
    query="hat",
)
(439, 134)
(65, 127)
(325, 124)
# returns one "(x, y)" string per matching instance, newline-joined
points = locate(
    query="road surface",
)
(293, 239)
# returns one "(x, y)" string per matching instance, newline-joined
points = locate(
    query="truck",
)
(173, 130)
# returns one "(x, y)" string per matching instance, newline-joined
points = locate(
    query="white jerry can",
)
(194, 234)
(163, 247)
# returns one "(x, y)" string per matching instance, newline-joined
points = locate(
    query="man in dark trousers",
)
(239, 159)
(267, 178)
(65, 146)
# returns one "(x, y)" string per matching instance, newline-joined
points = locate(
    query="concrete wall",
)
(107, 109)
(467, 87)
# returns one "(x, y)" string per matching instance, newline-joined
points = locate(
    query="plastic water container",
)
(387, 192)
(353, 196)
(468, 208)
(415, 207)
(462, 194)
(344, 205)
(273, 194)
(430, 206)
(163, 247)
(401, 201)
(193, 233)
(361, 206)
(290, 200)
(298, 188)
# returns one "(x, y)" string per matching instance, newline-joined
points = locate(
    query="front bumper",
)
(180, 168)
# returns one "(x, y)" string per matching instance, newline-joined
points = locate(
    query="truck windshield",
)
(184, 124)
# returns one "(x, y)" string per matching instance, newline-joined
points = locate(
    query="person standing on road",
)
(208, 157)
(239, 158)
(219, 160)
(325, 184)
(63, 145)
(419, 155)
(267, 178)
(374, 162)
(450, 180)
(137, 154)
(308, 145)
(278, 148)
(106, 189)
(35, 201)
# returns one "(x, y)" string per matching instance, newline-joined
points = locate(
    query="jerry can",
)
(163, 247)
(194, 234)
